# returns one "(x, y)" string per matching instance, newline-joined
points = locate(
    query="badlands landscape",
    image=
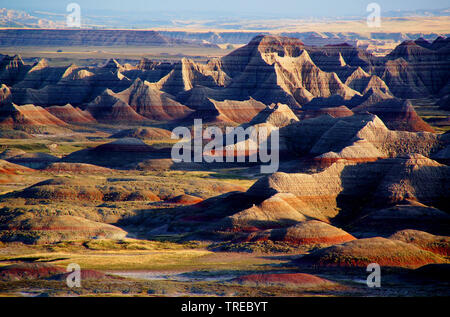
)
(87, 176)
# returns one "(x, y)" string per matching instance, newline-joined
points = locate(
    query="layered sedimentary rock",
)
(107, 107)
(10, 172)
(89, 37)
(269, 69)
(12, 69)
(144, 134)
(409, 214)
(362, 137)
(121, 153)
(231, 111)
(297, 280)
(277, 115)
(51, 229)
(397, 114)
(152, 103)
(33, 159)
(29, 271)
(69, 114)
(76, 168)
(43, 271)
(335, 112)
(10, 168)
(361, 253)
(60, 189)
(340, 191)
(184, 200)
(31, 119)
(77, 86)
(311, 233)
(187, 74)
(405, 71)
(275, 69)
(40, 75)
(424, 240)
(362, 82)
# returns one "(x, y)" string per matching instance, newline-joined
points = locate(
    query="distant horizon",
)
(232, 9)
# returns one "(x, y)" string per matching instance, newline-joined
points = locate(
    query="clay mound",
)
(52, 229)
(31, 119)
(274, 69)
(327, 134)
(70, 114)
(335, 112)
(425, 241)
(279, 210)
(12, 69)
(7, 168)
(76, 168)
(397, 115)
(187, 74)
(107, 107)
(234, 111)
(283, 279)
(144, 133)
(62, 189)
(314, 193)
(237, 61)
(80, 189)
(85, 275)
(185, 200)
(10, 172)
(151, 103)
(411, 51)
(125, 145)
(443, 156)
(43, 271)
(413, 177)
(361, 81)
(9, 153)
(359, 151)
(413, 71)
(309, 233)
(41, 75)
(344, 187)
(123, 153)
(29, 271)
(78, 85)
(407, 215)
(277, 115)
(360, 253)
(33, 160)
(436, 272)
(14, 134)
(112, 65)
(35, 115)
(140, 195)
(166, 164)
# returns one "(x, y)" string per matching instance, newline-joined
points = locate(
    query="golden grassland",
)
(134, 255)
(439, 24)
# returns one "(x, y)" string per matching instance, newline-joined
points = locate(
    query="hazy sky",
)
(288, 8)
